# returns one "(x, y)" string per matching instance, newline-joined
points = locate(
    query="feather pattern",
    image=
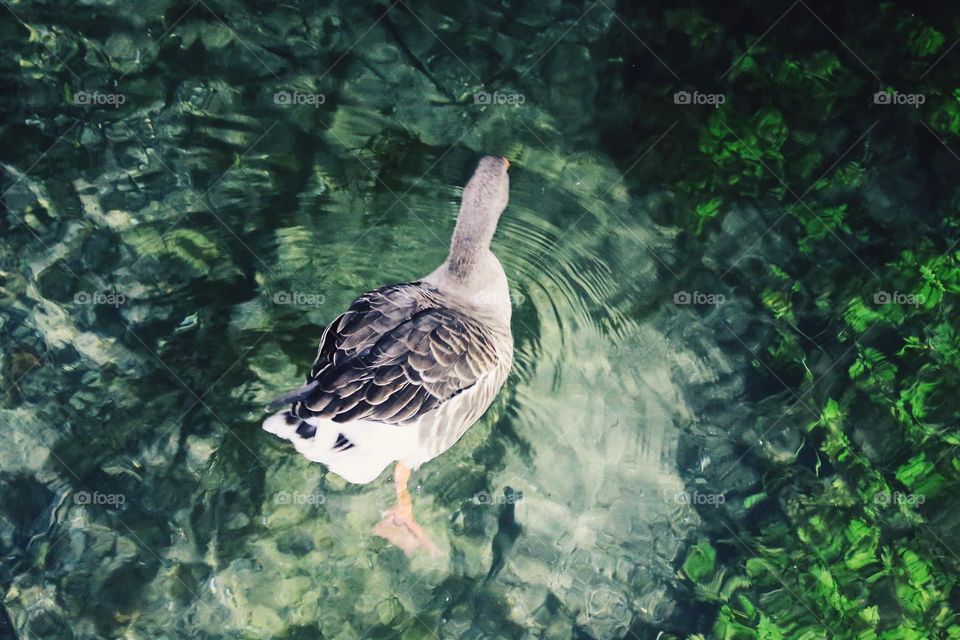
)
(397, 353)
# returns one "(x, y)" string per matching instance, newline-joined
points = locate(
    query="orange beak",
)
(506, 163)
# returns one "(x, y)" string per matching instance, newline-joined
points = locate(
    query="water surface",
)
(174, 245)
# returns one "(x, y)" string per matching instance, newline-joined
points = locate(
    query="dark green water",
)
(701, 232)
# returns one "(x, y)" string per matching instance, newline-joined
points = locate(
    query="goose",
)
(408, 368)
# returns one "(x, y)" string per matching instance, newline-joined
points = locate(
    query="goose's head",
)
(487, 193)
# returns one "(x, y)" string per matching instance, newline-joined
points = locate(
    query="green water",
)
(192, 191)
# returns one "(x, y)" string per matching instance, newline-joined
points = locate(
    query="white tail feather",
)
(376, 445)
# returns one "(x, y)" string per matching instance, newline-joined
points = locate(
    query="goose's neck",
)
(471, 240)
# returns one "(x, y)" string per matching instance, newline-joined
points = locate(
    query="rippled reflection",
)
(145, 500)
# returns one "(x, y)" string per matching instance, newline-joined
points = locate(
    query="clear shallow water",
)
(168, 266)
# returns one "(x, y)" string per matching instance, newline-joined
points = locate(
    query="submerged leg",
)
(398, 525)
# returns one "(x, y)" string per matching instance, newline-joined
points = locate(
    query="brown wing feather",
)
(395, 354)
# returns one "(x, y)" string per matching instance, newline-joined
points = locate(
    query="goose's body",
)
(400, 376)
(408, 368)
